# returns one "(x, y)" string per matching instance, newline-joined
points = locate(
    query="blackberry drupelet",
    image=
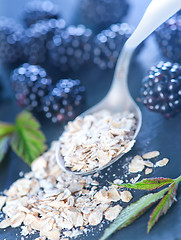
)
(71, 48)
(30, 84)
(36, 39)
(109, 43)
(161, 89)
(168, 36)
(11, 35)
(38, 10)
(102, 13)
(65, 101)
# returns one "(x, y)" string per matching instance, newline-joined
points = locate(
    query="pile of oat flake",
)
(58, 204)
(92, 141)
(61, 205)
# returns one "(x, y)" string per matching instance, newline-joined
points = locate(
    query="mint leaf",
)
(4, 144)
(148, 184)
(6, 129)
(132, 212)
(163, 206)
(27, 140)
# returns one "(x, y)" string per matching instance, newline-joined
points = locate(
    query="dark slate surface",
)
(156, 133)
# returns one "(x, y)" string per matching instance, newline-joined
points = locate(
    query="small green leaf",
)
(163, 206)
(4, 144)
(6, 129)
(27, 140)
(148, 184)
(133, 211)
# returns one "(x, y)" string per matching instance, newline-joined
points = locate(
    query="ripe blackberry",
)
(161, 89)
(109, 43)
(168, 36)
(103, 13)
(36, 39)
(30, 84)
(65, 101)
(11, 35)
(38, 10)
(71, 48)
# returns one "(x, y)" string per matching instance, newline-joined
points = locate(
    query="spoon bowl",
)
(118, 99)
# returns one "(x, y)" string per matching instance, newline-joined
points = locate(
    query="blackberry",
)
(103, 13)
(30, 84)
(36, 39)
(38, 10)
(11, 35)
(161, 89)
(109, 43)
(168, 36)
(71, 48)
(65, 101)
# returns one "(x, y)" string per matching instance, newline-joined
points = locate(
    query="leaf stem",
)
(177, 180)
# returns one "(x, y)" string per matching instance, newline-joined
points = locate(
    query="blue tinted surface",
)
(156, 133)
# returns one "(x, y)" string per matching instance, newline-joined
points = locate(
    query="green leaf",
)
(132, 212)
(27, 140)
(4, 144)
(148, 184)
(163, 206)
(6, 129)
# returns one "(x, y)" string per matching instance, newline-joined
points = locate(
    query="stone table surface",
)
(156, 133)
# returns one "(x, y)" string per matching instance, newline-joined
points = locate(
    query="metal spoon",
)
(118, 98)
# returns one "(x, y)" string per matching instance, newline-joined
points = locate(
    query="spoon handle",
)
(157, 12)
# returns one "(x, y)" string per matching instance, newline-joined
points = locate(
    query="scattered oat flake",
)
(2, 201)
(148, 171)
(135, 179)
(17, 220)
(162, 162)
(150, 155)
(118, 181)
(112, 212)
(113, 195)
(95, 218)
(148, 163)
(95, 183)
(53, 235)
(96, 175)
(101, 196)
(136, 165)
(24, 230)
(103, 207)
(5, 223)
(126, 196)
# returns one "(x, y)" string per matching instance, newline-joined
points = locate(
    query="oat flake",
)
(93, 141)
(162, 162)
(112, 212)
(150, 155)
(126, 196)
(148, 171)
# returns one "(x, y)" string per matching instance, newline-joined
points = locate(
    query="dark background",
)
(156, 133)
